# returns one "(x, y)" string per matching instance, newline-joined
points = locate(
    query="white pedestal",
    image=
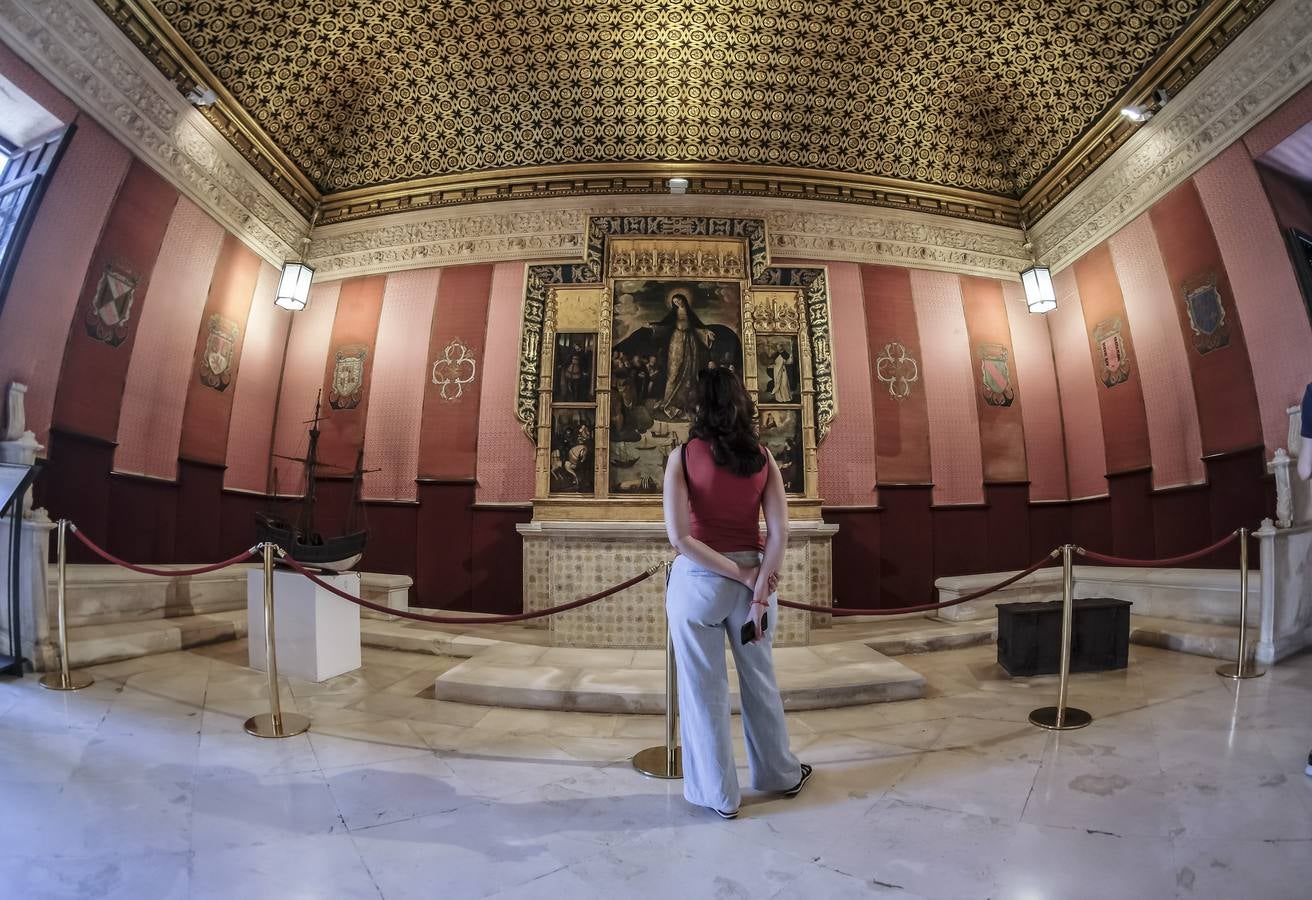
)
(317, 633)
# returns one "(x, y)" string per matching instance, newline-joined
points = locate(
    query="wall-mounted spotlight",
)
(294, 286)
(678, 185)
(201, 96)
(1142, 112)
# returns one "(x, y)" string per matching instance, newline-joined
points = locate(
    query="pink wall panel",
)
(1267, 297)
(307, 354)
(250, 427)
(1290, 116)
(950, 388)
(505, 455)
(48, 281)
(1086, 459)
(1036, 374)
(1168, 388)
(396, 397)
(847, 457)
(150, 423)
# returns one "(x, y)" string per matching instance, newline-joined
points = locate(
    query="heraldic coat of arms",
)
(1113, 358)
(348, 376)
(111, 306)
(995, 375)
(216, 358)
(1202, 300)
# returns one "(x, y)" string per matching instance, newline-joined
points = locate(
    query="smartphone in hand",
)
(748, 633)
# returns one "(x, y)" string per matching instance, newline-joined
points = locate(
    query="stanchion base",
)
(291, 725)
(76, 681)
(1046, 717)
(1231, 670)
(654, 762)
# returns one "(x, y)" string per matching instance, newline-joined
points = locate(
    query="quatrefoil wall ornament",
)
(896, 368)
(454, 369)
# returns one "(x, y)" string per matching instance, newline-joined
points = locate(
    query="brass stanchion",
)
(1237, 670)
(275, 723)
(1061, 717)
(665, 761)
(64, 680)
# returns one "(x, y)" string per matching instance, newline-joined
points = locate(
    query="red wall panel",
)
(1001, 428)
(1228, 415)
(355, 329)
(448, 439)
(897, 382)
(210, 391)
(1124, 422)
(99, 346)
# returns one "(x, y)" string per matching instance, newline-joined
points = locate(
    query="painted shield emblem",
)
(1111, 348)
(1202, 301)
(995, 375)
(111, 306)
(216, 358)
(348, 376)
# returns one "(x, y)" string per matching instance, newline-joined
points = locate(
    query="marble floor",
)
(145, 786)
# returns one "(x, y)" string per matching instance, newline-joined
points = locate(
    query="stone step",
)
(94, 644)
(633, 681)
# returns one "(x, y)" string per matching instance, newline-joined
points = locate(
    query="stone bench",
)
(1204, 596)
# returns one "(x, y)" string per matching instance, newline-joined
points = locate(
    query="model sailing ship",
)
(297, 535)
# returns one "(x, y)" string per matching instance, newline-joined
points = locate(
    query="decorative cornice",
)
(651, 178)
(1259, 70)
(554, 229)
(75, 46)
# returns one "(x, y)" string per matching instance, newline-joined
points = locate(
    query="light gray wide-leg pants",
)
(703, 608)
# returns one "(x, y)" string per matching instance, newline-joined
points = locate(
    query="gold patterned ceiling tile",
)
(957, 106)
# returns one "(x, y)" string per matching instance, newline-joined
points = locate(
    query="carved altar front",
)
(610, 351)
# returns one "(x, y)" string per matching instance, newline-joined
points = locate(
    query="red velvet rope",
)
(1170, 561)
(146, 570)
(467, 620)
(924, 607)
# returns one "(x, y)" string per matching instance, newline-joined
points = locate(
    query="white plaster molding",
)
(78, 49)
(1260, 69)
(554, 229)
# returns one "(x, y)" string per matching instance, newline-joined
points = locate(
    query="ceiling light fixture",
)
(1040, 296)
(678, 185)
(294, 286)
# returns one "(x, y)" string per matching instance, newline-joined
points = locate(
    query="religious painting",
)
(995, 375)
(781, 432)
(664, 333)
(1114, 360)
(1202, 301)
(575, 358)
(348, 376)
(111, 306)
(216, 358)
(776, 365)
(572, 443)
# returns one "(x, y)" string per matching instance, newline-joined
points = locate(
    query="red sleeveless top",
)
(724, 509)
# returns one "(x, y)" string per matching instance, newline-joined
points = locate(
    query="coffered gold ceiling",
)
(982, 108)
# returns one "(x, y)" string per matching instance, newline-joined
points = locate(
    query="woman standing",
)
(687, 352)
(715, 489)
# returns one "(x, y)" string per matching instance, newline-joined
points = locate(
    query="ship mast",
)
(305, 524)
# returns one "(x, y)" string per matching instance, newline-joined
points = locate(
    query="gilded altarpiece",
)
(610, 352)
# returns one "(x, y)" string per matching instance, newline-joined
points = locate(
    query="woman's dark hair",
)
(724, 420)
